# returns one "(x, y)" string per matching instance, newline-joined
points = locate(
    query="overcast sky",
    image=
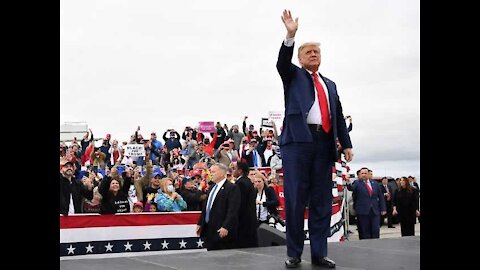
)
(171, 64)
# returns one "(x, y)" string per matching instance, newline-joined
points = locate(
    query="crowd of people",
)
(174, 175)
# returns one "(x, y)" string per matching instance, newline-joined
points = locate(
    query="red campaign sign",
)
(208, 126)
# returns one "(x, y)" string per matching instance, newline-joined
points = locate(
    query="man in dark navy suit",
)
(218, 222)
(313, 121)
(369, 204)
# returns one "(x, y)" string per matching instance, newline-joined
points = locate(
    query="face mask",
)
(170, 188)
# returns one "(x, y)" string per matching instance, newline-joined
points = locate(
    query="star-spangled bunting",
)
(130, 245)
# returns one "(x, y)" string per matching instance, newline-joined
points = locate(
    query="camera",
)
(226, 145)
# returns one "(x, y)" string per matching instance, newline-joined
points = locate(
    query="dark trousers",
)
(369, 225)
(389, 213)
(407, 224)
(307, 169)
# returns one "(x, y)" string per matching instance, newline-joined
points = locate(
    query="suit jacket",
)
(363, 201)
(249, 158)
(299, 97)
(384, 190)
(247, 227)
(223, 213)
(415, 184)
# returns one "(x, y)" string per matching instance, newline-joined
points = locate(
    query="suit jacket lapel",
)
(312, 87)
(219, 194)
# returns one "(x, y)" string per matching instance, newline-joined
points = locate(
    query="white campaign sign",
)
(134, 150)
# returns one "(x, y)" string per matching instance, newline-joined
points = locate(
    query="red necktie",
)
(322, 99)
(370, 191)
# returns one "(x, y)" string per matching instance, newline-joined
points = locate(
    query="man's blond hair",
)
(311, 43)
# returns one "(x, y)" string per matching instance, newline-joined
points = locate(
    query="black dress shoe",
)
(292, 262)
(323, 262)
(391, 226)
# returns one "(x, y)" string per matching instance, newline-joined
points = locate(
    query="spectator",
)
(71, 191)
(405, 205)
(387, 193)
(98, 158)
(155, 145)
(149, 183)
(167, 199)
(115, 152)
(150, 205)
(275, 161)
(85, 142)
(138, 207)
(225, 153)
(104, 148)
(189, 134)
(114, 195)
(413, 182)
(278, 187)
(209, 145)
(254, 156)
(266, 200)
(221, 136)
(243, 147)
(173, 141)
(192, 194)
(350, 124)
(236, 135)
(199, 154)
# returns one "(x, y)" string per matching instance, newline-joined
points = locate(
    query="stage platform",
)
(375, 254)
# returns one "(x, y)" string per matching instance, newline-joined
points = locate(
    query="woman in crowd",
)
(168, 200)
(114, 195)
(405, 205)
(266, 200)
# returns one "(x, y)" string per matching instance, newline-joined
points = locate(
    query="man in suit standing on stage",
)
(313, 121)
(387, 193)
(369, 204)
(218, 222)
(247, 216)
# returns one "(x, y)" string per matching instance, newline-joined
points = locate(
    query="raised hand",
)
(290, 24)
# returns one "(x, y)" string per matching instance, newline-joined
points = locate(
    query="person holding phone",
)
(225, 154)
